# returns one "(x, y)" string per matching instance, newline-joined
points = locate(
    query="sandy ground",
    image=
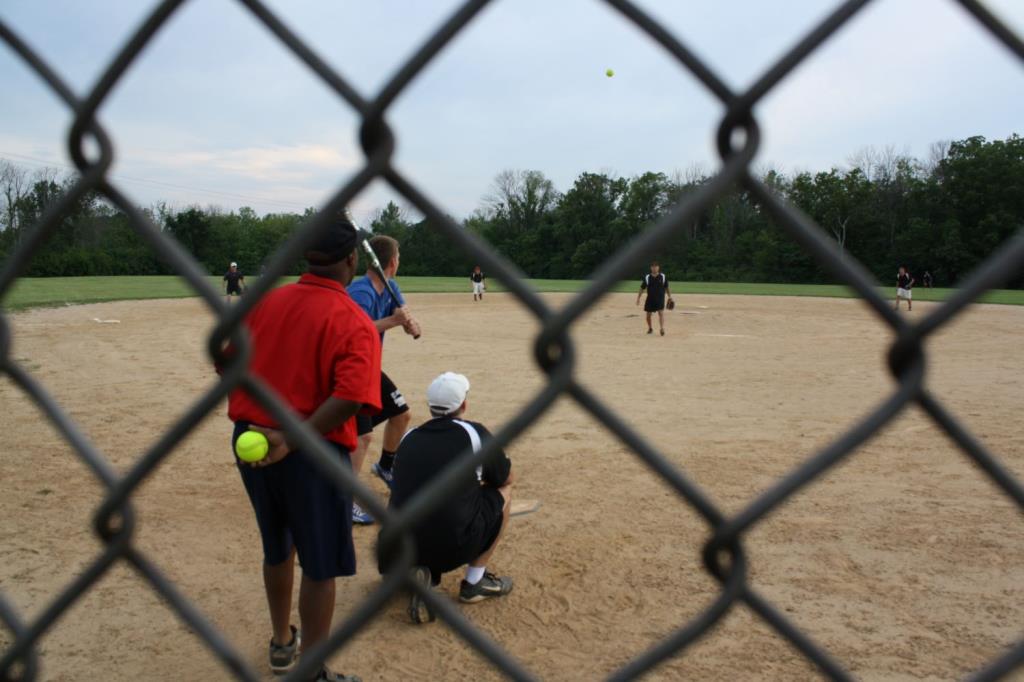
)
(905, 562)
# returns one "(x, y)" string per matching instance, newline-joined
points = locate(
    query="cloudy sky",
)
(216, 112)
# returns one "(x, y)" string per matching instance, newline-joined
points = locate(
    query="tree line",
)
(944, 214)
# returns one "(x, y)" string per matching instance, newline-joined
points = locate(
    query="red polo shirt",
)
(311, 341)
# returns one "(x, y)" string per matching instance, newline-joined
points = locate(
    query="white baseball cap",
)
(234, 265)
(447, 392)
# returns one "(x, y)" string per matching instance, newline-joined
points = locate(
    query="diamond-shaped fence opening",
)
(724, 557)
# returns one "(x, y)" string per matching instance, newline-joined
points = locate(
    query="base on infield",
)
(522, 507)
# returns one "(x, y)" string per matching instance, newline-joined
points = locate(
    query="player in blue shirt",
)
(372, 296)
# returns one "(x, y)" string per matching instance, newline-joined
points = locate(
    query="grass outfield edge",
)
(41, 292)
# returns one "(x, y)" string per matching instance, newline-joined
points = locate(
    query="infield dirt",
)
(904, 562)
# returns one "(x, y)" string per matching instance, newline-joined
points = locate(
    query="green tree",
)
(946, 215)
(192, 229)
(391, 221)
(589, 225)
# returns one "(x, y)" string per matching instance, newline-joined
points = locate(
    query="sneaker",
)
(650, 331)
(326, 675)
(284, 656)
(489, 586)
(360, 516)
(386, 475)
(663, 332)
(418, 609)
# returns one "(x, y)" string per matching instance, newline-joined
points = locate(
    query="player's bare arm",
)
(331, 414)
(412, 327)
(399, 318)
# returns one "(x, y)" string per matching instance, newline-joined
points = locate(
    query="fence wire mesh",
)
(724, 558)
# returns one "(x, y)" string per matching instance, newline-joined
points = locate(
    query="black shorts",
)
(654, 303)
(392, 403)
(234, 291)
(441, 558)
(297, 506)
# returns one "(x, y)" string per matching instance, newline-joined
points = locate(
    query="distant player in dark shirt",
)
(234, 282)
(927, 279)
(467, 527)
(904, 283)
(656, 286)
(477, 278)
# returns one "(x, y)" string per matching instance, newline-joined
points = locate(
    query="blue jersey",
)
(377, 306)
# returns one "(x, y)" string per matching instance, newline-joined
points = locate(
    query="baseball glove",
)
(671, 304)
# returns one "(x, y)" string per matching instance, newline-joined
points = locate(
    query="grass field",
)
(35, 292)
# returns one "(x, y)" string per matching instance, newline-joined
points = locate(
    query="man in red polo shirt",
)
(319, 351)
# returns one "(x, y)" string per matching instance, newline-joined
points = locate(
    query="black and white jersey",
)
(654, 285)
(904, 281)
(476, 277)
(233, 278)
(427, 450)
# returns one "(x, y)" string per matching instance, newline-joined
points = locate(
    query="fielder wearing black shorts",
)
(465, 530)
(656, 286)
(234, 281)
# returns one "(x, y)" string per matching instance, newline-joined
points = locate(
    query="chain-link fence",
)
(724, 558)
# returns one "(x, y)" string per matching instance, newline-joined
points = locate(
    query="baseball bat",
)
(374, 261)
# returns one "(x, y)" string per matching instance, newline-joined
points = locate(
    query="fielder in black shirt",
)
(904, 283)
(656, 286)
(466, 528)
(477, 278)
(234, 282)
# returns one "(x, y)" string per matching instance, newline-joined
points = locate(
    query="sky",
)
(217, 112)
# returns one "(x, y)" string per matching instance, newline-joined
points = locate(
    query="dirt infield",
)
(904, 562)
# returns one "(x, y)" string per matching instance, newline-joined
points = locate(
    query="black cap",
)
(334, 242)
